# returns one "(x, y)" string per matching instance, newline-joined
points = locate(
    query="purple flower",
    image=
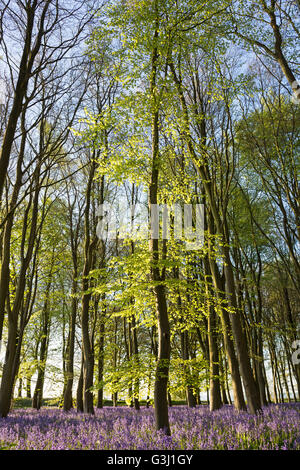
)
(123, 428)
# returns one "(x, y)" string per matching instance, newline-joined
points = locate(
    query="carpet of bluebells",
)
(278, 427)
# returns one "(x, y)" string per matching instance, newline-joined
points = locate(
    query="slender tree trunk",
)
(255, 311)
(115, 399)
(79, 393)
(38, 392)
(238, 395)
(20, 388)
(292, 325)
(128, 348)
(136, 362)
(88, 369)
(88, 350)
(282, 367)
(267, 385)
(184, 341)
(101, 362)
(261, 379)
(162, 368)
(290, 370)
(6, 248)
(240, 340)
(15, 320)
(222, 382)
(68, 400)
(214, 378)
(215, 401)
(279, 55)
(226, 383)
(28, 387)
(29, 54)
(190, 397)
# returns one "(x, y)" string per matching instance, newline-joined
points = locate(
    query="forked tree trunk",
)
(238, 395)
(29, 53)
(238, 333)
(16, 322)
(250, 386)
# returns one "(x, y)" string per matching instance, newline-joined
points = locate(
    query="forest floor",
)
(123, 428)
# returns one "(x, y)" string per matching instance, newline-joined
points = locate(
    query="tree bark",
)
(238, 395)
(215, 401)
(38, 392)
(79, 393)
(101, 362)
(163, 327)
(29, 54)
(87, 343)
(190, 397)
(68, 400)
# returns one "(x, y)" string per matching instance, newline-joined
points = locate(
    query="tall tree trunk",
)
(101, 362)
(291, 324)
(7, 382)
(190, 397)
(255, 312)
(20, 387)
(222, 381)
(215, 401)
(128, 348)
(28, 387)
(135, 350)
(16, 321)
(38, 392)
(88, 368)
(185, 353)
(29, 54)
(79, 393)
(6, 248)
(68, 400)
(240, 340)
(115, 399)
(163, 327)
(238, 395)
(133, 329)
(88, 349)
